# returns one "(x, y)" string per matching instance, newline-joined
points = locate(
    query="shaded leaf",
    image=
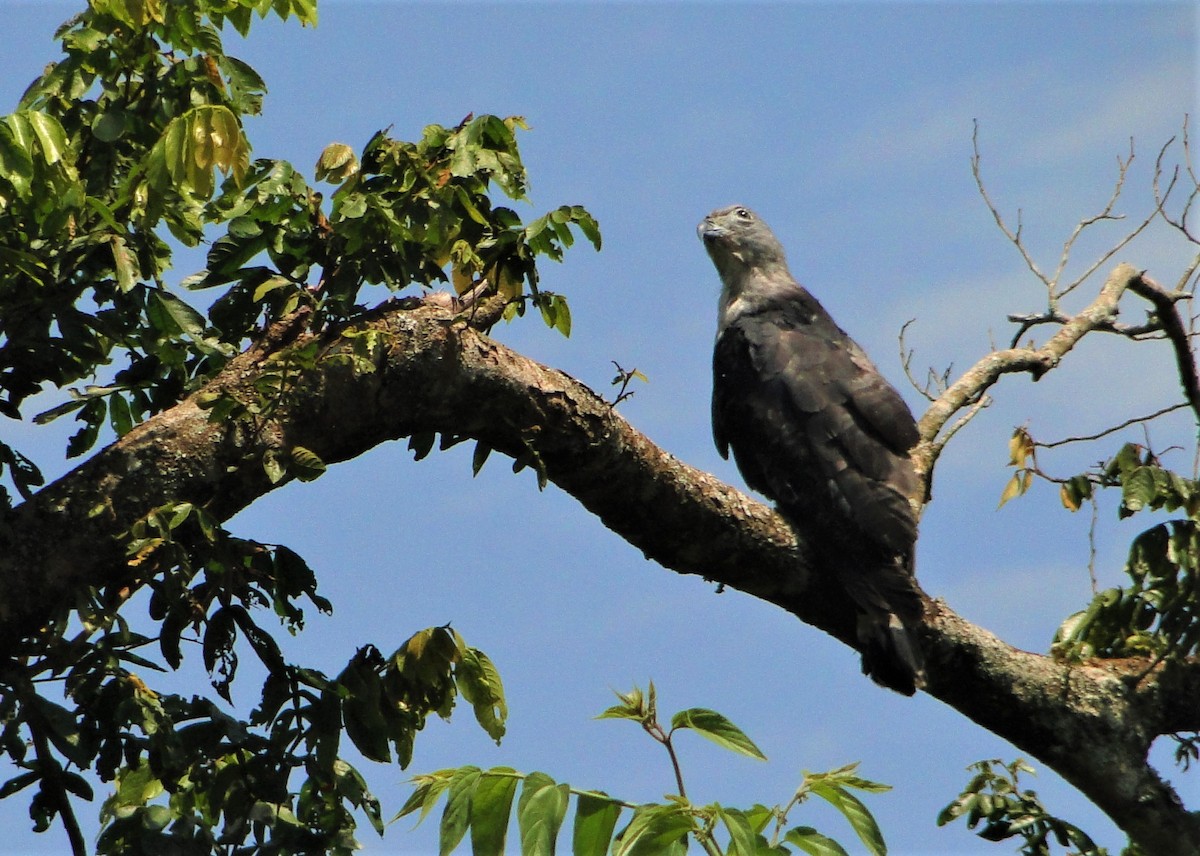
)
(491, 806)
(596, 817)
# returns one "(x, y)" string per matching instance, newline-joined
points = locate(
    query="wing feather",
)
(811, 421)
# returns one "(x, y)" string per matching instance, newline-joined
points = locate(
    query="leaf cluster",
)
(1157, 614)
(115, 157)
(109, 156)
(190, 777)
(480, 803)
(994, 802)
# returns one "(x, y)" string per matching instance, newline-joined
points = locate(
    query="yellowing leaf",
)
(1012, 489)
(1020, 447)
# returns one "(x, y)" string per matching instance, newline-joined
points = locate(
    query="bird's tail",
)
(889, 609)
(890, 654)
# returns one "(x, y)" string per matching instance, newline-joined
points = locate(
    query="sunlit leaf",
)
(540, 811)
(813, 842)
(718, 729)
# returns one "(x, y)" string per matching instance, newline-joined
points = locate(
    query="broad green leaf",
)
(59, 725)
(108, 127)
(188, 320)
(654, 830)
(596, 817)
(813, 842)
(456, 816)
(362, 712)
(125, 264)
(336, 163)
(491, 806)
(858, 815)
(718, 729)
(540, 811)
(16, 163)
(51, 137)
(478, 680)
(743, 841)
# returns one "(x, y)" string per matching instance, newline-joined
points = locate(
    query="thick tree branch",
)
(436, 372)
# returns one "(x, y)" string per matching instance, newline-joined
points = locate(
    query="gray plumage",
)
(815, 427)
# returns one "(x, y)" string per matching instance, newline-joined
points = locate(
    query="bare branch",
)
(1180, 223)
(1013, 237)
(1105, 214)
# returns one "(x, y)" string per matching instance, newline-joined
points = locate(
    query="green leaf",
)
(108, 127)
(456, 816)
(429, 789)
(186, 319)
(125, 265)
(855, 812)
(16, 163)
(51, 137)
(491, 806)
(336, 163)
(362, 712)
(596, 817)
(813, 842)
(743, 841)
(718, 729)
(275, 465)
(1137, 490)
(118, 414)
(59, 725)
(306, 466)
(478, 679)
(654, 830)
(540, 812)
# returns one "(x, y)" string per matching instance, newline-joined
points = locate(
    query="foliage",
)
(112, 154)
(993, 797)
(481, 802)
(1158, 613)
(129, 146)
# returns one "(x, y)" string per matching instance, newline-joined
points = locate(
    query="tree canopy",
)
(344, 308)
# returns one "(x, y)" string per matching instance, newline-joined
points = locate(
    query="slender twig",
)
(1013, 237)
(906, 356)
(1113, 430)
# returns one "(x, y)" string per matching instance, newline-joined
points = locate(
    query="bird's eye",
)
(744, 213)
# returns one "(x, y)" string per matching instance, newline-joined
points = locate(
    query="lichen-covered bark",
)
(437, 372)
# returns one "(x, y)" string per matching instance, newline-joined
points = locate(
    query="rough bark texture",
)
(1093, 723)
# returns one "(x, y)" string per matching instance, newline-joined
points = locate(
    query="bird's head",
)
(736, 237)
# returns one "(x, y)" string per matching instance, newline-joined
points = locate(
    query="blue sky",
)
(848, 126)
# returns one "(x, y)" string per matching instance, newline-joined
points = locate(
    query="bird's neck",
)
(750, 289)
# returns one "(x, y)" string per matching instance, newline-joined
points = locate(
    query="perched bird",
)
(816, 428)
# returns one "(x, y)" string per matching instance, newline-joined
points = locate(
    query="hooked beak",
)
(709, 231)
